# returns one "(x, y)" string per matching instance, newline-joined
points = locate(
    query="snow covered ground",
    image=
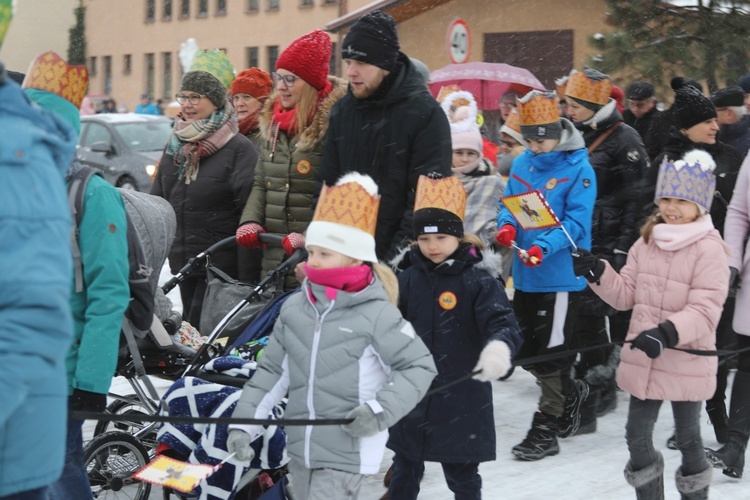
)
(587, 467)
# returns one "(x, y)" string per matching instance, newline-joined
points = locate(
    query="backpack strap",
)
(76, 190)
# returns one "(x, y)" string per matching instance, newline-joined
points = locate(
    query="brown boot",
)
(387, 482)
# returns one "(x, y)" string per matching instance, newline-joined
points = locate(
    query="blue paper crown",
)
(691, 178)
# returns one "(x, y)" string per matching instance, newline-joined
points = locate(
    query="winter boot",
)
(571, 417)
(588, 413)
(717, 414)
(649, 481)
(694, 487)
(608, 395)
(731, 456)
(541, 440)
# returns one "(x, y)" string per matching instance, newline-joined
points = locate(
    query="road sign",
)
(459, 41)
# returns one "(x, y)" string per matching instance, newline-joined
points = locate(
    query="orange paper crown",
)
(560, 85)
(447, 194)
(581, 87)
(514, 121)
(49, 72)
(349, 204)
(538, 108)
(444, 91)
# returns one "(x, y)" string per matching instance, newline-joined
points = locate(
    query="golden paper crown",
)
(350, 204)
(581, 87)
(49, 72)
(538, 108)
(447, 194)
(514, 121)
(560, 85)
(444, 91)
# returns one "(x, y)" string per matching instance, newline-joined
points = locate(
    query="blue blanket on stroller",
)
(207, 443)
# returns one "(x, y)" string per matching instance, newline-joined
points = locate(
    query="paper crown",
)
(456, 100)
(538, 108)
(6, 14)
(349, 203)
(447, 90)
(216, 63)
(560, 85)
(49, 72)
(446, 193)
(581, 87)
(691, 178)
(513, 122)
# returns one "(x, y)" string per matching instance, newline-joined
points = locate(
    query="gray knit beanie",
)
(207, 84)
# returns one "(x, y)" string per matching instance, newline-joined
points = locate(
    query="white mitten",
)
(365, 422)
(238, 442)
(494, 361)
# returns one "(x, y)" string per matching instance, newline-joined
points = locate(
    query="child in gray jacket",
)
(339, 348)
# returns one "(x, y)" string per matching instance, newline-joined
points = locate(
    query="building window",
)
(107, 61)
(150, 74)
(273, 5)
(252, 57)
(306, 3)
(273, 55)
(184, 9)
(330, 2)
(202, 8)
(167, 14)
(150, 10)
(166, 60)
(92, 65)
(126, 64)
(253, 6)
(221, 7)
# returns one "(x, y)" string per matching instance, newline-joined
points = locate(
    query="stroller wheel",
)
(131, 406)
(110, 459)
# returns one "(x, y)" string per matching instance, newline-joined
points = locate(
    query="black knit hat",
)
(437, 221)
(680, 81)
(691, 108)
(744, 83)
(729, 97)
(639, 91)
(373, 40)
(207, 84)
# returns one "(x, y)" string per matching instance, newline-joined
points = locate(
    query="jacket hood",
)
(570, 139)
(465, 256)
(408, 82)
(316, 131)
(607, 116)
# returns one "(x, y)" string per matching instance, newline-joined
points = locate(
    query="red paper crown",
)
(49, 72)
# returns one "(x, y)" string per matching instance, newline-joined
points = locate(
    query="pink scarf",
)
(347, 279)
(672, 237)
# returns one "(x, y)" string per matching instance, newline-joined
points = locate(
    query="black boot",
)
(649, 481)
(608, 394)
(717, 414)
(571, 417)
(588, 413)
(541, 440)
(731, 456)
(695, 486)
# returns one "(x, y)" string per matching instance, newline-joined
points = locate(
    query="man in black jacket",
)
(388, 126)
(641, 108)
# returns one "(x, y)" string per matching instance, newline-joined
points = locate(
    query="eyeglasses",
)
(287, 79)
(193, 99)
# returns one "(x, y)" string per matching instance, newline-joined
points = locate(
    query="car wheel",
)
(127, 183)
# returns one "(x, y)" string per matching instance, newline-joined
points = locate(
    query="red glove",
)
(533, 257)
(505, 235)
(292, 242)
(247, 235)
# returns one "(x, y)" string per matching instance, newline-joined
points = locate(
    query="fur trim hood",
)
(316, 131)
(489, 260)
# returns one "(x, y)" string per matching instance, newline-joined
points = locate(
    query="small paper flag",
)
(172, 473)
(531, 211)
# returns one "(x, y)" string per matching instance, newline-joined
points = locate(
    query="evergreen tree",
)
(77, 38)
(656, 40)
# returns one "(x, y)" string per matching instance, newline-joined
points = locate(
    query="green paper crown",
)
(216, 63)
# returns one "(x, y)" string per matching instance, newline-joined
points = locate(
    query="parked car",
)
(125, 147)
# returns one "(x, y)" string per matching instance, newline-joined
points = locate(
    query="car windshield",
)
(145, 136)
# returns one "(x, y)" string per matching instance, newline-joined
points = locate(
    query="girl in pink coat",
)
(675, 280)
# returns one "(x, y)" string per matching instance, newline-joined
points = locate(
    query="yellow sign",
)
(181, 476)
(531, 210)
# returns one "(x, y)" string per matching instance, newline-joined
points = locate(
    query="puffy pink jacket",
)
(736, 229)
(679, 279)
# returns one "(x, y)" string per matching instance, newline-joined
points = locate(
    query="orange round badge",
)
(447, 300)
(551, 183)
(304, 167)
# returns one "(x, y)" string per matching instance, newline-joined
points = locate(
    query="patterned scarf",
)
(248, 124)
(192, 141)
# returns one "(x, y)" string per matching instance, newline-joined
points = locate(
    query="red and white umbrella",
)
(486, 81)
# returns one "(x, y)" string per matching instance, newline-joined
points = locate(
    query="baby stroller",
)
(120, 448)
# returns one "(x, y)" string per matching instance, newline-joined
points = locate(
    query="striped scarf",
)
(190, 142)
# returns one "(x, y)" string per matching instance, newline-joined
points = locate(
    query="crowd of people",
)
(413, 223)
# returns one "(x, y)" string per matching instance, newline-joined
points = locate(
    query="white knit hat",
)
(345, 218)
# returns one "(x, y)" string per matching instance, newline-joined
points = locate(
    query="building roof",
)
(400, 10)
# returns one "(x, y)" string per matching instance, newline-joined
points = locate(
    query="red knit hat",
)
(308, 57)
(253, 81)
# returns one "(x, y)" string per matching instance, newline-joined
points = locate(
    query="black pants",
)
(192, 293)
(591, 331)
(463, 479)
(726, 339)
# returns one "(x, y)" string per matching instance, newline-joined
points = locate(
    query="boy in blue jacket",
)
(547, 291)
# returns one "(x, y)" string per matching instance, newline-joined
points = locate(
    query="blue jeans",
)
(37, 494)
(463, 479)
(74, 482)
(640, 429)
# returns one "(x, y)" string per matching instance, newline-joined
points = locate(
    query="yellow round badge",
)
(304, 167)
(447, 300)
(551, 183)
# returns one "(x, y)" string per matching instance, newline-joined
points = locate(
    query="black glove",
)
(734, 281)
(587, 265)
(87, 401)
(654, 341)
